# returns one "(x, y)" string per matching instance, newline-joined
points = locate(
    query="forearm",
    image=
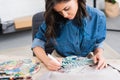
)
(98, 49)
(40, 53)
(49, 63)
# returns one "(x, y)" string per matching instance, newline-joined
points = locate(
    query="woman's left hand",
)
(99, 59)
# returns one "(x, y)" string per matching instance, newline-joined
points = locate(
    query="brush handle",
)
(54, 59)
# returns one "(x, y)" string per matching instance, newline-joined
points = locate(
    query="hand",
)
(52, 65)
(99, 59)
(49, 63)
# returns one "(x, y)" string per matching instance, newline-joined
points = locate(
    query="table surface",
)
(43, 69)
(114, 62)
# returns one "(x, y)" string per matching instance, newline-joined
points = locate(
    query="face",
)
(67, 9)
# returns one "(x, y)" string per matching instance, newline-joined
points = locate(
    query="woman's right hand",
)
(52, 65)
(49, 63)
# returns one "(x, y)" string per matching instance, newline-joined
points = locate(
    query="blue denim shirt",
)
(74, 40)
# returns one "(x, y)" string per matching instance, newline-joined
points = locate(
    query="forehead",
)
(61, 5)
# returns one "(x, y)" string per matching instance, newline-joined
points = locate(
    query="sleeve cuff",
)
(38, 42)
(99, 45)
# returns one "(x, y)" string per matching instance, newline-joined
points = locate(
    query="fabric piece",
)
(87, 73)
(84, 72)
(8, 27)
(72, 62)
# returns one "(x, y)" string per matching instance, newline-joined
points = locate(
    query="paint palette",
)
(18, 68)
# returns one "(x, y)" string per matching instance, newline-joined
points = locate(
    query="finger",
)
(55, 64)
(95, 60)
(52, 62)
(106, 65)
(53, 68)
(59, 60)
(103, 66)
(100, 63)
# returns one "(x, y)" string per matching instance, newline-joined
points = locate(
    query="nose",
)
(65, 14)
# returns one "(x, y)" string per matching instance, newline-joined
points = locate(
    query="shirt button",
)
(76, 43)
(76, 33)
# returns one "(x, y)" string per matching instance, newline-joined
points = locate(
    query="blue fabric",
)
(38, 42)
(74, 40)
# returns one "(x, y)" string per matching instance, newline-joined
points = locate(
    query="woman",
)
(74, 29)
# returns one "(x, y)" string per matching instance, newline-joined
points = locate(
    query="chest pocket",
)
(88, 45)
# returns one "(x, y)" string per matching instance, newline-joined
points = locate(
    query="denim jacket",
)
(74, 40)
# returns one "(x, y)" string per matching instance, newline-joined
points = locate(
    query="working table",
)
(114, 62)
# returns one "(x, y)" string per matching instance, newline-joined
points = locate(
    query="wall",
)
(118, 2)
(100, 4)
(10, 9)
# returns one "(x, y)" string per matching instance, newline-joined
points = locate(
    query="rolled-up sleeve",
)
(38, 42)
(99, 45)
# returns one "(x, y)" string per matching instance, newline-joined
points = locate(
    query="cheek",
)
(74, 10)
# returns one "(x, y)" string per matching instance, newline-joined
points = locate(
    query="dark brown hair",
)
(53, 19)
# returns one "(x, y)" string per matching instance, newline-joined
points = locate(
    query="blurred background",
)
(16, 22)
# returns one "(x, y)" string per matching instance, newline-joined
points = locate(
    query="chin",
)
(71, 18)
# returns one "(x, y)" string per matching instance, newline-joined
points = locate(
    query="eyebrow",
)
(62, 9)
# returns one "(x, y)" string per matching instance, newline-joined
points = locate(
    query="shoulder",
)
(94, 12)
(43, 23)
(42, 26)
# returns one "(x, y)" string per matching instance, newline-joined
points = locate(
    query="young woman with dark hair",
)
(74, 28)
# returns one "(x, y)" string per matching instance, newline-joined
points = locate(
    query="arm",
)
(38, 47)
(98, 51)
(99, 59)
(41, 54)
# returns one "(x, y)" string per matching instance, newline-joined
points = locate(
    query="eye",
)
(60, 13)
(66, 9)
